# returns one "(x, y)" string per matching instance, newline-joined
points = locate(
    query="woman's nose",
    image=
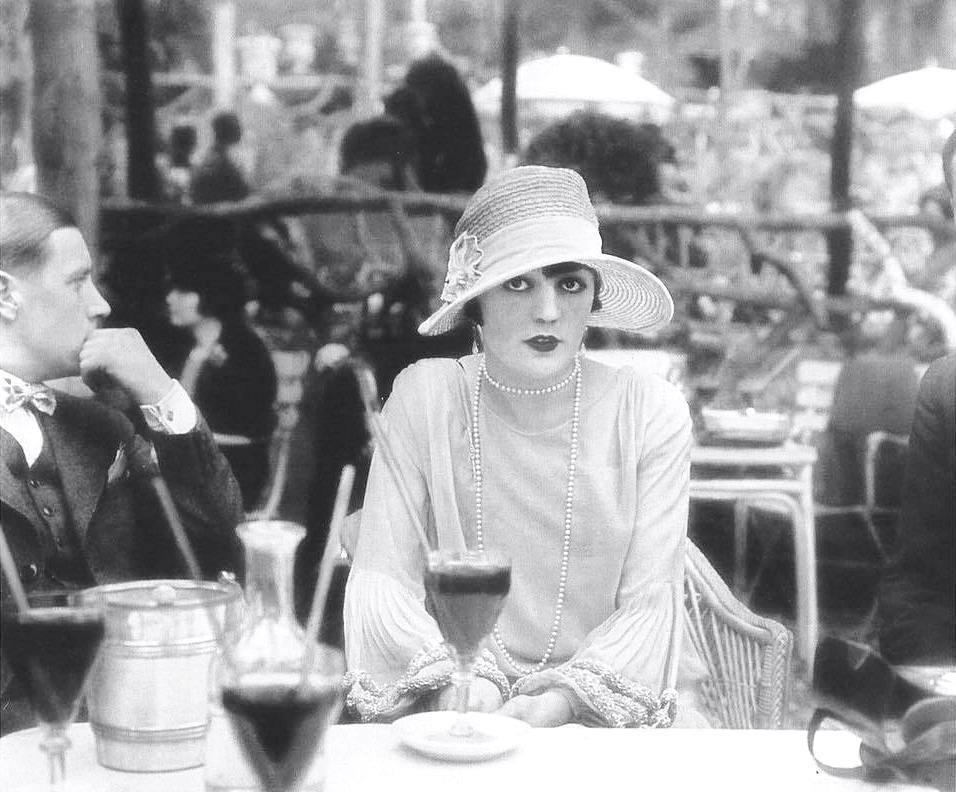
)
(546, 305)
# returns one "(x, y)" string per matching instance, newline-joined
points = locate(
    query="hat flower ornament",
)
(463, 260)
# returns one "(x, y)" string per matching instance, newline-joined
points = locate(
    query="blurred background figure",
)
(435, 104)
(875, 391)
(177, 172)
(401, 281)
(228, 370)
(218, 177)
(918, 596)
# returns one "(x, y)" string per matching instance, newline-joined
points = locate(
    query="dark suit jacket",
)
(918, 596)
(116, 516)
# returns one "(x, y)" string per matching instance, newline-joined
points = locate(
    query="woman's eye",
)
(516, 284)
(572, 285)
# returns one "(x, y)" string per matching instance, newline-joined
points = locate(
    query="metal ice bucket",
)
(149, 690)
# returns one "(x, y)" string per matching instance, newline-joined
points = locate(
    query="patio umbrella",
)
(561, 81)
(929, 93)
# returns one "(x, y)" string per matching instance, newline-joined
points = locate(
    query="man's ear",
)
(9, 296)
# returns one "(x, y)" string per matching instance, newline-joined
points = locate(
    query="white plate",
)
(427, 733)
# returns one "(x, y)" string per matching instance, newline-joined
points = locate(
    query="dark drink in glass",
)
(467, 598)
(51, 651)
(279, 724)
(51, 647)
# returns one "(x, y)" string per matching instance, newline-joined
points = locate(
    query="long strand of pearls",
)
(568, 503)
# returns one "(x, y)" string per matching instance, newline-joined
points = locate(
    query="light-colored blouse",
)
(627, 547)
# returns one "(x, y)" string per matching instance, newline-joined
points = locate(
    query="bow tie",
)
(14, 395)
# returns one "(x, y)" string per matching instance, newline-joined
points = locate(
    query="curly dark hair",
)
(618, 159)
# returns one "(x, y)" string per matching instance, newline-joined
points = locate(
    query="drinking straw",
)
(10, 570)
(373, 418)
(332, 547)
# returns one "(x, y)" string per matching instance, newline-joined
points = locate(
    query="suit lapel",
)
(83, 448)
(13, 488)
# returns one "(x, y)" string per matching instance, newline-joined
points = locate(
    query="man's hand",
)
(550, 708)
(122, 356)
(484, 696)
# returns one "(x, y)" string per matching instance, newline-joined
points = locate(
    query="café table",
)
(784, 478)
(566, 758)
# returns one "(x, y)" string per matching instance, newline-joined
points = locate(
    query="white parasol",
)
(929, 93)
(563, 80)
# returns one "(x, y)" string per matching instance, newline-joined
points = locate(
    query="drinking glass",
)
(51, 648)
(467, 591)
(280, 718)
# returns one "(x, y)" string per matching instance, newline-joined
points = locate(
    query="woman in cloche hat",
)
(575, 470)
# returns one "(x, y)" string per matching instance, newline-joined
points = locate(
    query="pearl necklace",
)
(532, 391)
(568, 502)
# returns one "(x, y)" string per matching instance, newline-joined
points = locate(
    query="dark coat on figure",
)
(119, 528)
(236, 396)
(918, 596)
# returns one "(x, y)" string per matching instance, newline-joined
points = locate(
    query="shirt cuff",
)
(174, 414)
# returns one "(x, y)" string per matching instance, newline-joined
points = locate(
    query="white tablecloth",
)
(567, 758)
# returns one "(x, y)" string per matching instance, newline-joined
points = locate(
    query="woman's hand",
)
(550, 708)
(484, 696)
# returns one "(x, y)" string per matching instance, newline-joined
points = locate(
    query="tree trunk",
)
(66, 107)
(840, 242)
(142, 179)
(509, 79)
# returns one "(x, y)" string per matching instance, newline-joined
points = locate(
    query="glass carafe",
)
(271, 645)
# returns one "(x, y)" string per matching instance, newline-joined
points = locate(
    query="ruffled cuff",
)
(601, 697)
(430, 670)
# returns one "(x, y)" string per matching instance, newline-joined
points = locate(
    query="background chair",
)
(747, 656)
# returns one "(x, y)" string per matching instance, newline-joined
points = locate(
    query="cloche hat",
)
(531, 217)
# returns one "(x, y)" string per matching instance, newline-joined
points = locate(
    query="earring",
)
(477, 342)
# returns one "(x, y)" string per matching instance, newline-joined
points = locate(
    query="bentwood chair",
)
(747, 656)
(291, 367)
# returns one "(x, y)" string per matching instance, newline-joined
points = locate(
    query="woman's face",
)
(533, 325)
(183, 307)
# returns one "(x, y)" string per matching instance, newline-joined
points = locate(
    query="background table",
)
(793, 488)
(568, 758)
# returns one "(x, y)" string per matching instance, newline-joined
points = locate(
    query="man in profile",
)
(918, 596)
(77, 504)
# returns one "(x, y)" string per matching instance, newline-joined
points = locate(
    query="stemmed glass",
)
(467, 592)
(51, 648)
(280, 717)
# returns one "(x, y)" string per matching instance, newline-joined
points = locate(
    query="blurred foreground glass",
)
(467, 591)
(51, 649)
(268, 718)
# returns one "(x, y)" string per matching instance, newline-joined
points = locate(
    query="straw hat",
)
(531, 217)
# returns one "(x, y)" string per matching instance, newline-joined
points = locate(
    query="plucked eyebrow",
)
(564, 268)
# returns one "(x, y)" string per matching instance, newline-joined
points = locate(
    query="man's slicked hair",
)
(26, 222)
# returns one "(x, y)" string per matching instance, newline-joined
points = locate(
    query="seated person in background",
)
(374, 156)
(376, 153)
(77, 509)
(218, 177)
(228, 372)
(918, 595)
(875, 391)
(577, 471)
(176, 172)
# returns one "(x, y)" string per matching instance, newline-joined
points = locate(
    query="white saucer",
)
(427, 733)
